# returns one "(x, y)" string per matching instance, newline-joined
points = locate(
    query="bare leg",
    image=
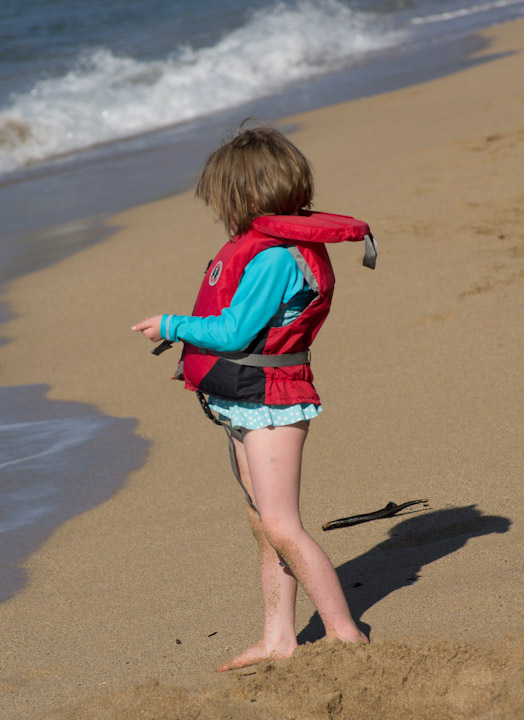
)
(274, 458)
(279, 589)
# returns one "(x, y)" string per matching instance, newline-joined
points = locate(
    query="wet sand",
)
(130, 606)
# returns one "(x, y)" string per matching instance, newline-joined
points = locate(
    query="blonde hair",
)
(258, 172)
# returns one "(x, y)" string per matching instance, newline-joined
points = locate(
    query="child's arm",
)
(270, 279)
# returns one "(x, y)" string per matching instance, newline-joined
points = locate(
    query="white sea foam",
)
(31, 456)
(105, 97)
(464, 12)
(34, 440)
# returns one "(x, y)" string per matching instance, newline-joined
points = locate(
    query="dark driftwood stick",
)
(388, 511)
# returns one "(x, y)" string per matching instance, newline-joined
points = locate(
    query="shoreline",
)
(172, 160)
(58, 460)
(428, 350)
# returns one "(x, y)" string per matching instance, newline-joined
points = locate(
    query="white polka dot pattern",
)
(254, 416)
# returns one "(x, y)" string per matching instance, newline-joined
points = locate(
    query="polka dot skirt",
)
(254, 416)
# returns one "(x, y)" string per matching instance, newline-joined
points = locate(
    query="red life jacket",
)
(305, 235)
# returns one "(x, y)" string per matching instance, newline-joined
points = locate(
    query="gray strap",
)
(258, 360)
(303, 267)
(371, 251)
(231, 433)
(179, 372)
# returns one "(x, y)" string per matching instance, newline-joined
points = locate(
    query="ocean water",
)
(105, 104)
(75, 74)
(57, 459)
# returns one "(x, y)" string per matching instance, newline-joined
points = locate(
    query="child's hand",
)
(150, 327)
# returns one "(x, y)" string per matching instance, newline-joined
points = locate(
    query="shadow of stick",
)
(396, 562)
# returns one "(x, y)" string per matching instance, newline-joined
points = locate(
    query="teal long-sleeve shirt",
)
(272, 291)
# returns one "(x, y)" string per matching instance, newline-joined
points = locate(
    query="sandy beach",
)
(130, 606)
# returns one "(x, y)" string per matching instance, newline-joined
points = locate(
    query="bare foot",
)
(350, 637)
(362, 638)
(257, 654)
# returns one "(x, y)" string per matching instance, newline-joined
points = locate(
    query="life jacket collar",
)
(311, 226)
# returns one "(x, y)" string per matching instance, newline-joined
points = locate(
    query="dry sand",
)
(130, 606)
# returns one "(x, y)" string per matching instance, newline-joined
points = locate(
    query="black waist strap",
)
(258, 360)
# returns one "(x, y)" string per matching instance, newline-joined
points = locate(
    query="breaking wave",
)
(106, 97)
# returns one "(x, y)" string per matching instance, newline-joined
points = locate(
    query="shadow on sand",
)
(57, 459)
(396, 562)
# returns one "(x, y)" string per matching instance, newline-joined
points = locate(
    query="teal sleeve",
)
(270, 280)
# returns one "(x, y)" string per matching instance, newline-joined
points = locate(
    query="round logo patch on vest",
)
(215, 273)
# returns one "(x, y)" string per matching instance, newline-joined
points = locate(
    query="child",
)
(261, 303)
